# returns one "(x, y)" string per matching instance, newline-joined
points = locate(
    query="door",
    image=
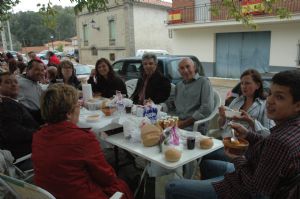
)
(236, 52)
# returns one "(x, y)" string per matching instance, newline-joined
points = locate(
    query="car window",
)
(133, 67)
(173, 72)
(118, 67)
(82, 70)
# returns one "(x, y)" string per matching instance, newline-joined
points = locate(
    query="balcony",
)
(201, 14)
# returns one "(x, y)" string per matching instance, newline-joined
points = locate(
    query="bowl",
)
(231, 114)
(93, 118)
(108, 111)
(236, 148)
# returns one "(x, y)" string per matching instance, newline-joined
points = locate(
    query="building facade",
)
(127, 25)
(226, 47)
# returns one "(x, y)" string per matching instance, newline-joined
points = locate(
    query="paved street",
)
(222, 91)
(223, 85)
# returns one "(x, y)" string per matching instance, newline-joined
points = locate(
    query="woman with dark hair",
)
(66, 72)
(105, 81)
(68, 161)
(251, 103)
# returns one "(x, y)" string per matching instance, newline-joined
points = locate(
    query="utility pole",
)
(52, 41)
(4, 43)
(9, 36)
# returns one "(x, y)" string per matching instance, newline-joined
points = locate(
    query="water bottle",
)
(119, 103)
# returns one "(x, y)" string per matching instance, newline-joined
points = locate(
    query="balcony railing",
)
(202, 13)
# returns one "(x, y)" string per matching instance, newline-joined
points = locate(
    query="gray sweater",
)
(30, 93)
(194, 99)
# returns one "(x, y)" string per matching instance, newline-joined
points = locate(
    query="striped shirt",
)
(268, 162)
(257, 111)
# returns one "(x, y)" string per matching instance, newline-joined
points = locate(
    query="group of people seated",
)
(69, 163)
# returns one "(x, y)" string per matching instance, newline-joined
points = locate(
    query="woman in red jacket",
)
(68, 161)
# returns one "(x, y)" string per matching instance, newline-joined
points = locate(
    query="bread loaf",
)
(150, 135)
(172, 155)
(206, 143)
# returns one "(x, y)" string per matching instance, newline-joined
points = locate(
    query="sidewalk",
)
(223, 82)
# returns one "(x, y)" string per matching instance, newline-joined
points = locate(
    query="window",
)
(85, 35)
(112, 56)
(112, 31)
(94, 51)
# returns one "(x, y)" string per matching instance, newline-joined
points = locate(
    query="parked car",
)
(141, 52)
(129, 68)
(42, 54)
(236, 90)
(82, 70)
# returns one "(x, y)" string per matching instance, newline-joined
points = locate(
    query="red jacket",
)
(69, 163)
(53, 60)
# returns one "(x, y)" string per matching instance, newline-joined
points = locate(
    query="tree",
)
(29, 29)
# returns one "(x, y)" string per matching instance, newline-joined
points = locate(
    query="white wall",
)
(201, 41)
(100, 39)
(150, 30)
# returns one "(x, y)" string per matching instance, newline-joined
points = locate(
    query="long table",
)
(152, 154)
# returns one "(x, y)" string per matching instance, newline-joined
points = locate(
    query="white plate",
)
(93, 118)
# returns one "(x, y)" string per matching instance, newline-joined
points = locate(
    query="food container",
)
(93, 104)
(232, 113)
(93, 118)
(236, 148)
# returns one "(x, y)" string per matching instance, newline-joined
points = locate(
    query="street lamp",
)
(52, 41)
(93, 23)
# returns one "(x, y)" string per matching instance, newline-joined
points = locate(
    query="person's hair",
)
(30, 53)
(12, 65)
(290, 79)
(256, 77)
(150, 56)
(188, 59)
(31, 63)
(52, 71)
(50, 53)
(111, 73)
(2, 73)
(62, 64)
(57, 101)
(21, 66)
(9, 56)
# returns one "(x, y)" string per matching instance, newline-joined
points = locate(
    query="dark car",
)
(130, 68)
(236, 90)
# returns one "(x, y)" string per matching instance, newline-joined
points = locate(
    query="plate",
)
(93, 118)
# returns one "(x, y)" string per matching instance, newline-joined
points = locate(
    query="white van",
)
(141, 52)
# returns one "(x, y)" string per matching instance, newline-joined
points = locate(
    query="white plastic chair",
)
(21, 189)
(130, 86)
(217, 103)
(167, 105)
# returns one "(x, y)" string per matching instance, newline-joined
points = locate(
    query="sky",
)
(26, 5)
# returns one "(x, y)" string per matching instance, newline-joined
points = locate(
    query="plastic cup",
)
(190, 143)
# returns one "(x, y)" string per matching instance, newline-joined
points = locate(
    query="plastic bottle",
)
(119, 103)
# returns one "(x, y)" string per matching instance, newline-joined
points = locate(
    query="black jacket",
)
(108, 87)
(158, 89)
(16, 127)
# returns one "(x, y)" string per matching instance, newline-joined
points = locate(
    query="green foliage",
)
(30, 30)
(60, 48)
